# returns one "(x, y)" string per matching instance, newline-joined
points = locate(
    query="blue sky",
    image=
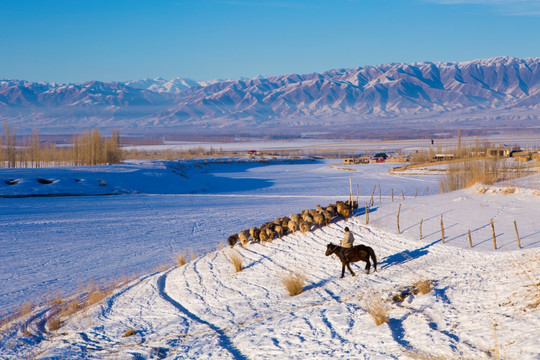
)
(118, 40)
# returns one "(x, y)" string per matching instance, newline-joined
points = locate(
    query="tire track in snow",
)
(224, 340)
(215, 277)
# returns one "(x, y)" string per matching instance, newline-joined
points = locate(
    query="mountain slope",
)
(469, 94)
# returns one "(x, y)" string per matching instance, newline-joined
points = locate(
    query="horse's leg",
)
(349, 267)
(368, 266)
(343, 269)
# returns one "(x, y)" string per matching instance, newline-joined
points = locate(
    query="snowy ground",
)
(481, 299)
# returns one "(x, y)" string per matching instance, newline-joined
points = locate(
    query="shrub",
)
(464, 174)
(294, 283)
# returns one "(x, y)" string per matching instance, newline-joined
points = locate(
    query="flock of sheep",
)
(305, 221)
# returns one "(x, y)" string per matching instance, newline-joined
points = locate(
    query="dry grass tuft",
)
(94, 294)
(294, 283)
(54, 322)
(129, 332)
(509, 190)
(377, 308)
(55, 300)
(421, 356)
(181, 259)
(18, 313)
(73, 306)
(423, 286)
(528, 274)
(26, 308)
(161, 268)
(236, 259)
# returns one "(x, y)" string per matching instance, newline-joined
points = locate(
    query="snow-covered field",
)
(483, 302)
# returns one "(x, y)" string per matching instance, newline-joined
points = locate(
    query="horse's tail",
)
(373, 257)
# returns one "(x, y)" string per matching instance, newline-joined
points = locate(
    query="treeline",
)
(171, 154)
(89, 148)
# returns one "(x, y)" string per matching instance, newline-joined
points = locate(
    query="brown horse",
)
(357, 253)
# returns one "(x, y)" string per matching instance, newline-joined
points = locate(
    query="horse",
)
(357, 253)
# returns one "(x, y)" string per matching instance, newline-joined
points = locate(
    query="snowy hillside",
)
(483, 303)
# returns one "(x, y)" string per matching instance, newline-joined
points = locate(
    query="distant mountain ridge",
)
(501, 91)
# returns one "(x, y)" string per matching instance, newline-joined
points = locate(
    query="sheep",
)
(295, 217)
(309, 221)
(232, 240)
(319, 209)
(270, 234)
(279, 231)
(252, 232)
(255, 234)
(304, 227)
(345, 213)
(343, 209)
(318, 219)
(284, 223)
(327, 217)
(262, 236)
(243, 236)
(292, 225)
(285, 227)
(340, 205)
(331, 209)
(269, 225)
(352, 204)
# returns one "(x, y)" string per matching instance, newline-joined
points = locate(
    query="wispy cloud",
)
(505, 7)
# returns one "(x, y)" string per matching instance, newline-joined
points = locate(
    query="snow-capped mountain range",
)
(501, 91)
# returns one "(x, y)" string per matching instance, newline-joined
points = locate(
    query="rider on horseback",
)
(346, 244)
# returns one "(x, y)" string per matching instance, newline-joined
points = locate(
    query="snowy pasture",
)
(483, 302)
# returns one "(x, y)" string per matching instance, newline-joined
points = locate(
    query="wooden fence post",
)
(493, 233)
(372, 194)
(442, 230)
(350, 191)
(427, 190)
(415, 192)
(392, 194)
(470, 240)
(517, 235)
(380, 194)
(367, 214)
(421, 222)
(402, 196)
(399, 210)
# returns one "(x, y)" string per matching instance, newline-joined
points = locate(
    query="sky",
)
(119, 40)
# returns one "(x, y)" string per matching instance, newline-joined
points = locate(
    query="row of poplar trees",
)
(89, 148)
